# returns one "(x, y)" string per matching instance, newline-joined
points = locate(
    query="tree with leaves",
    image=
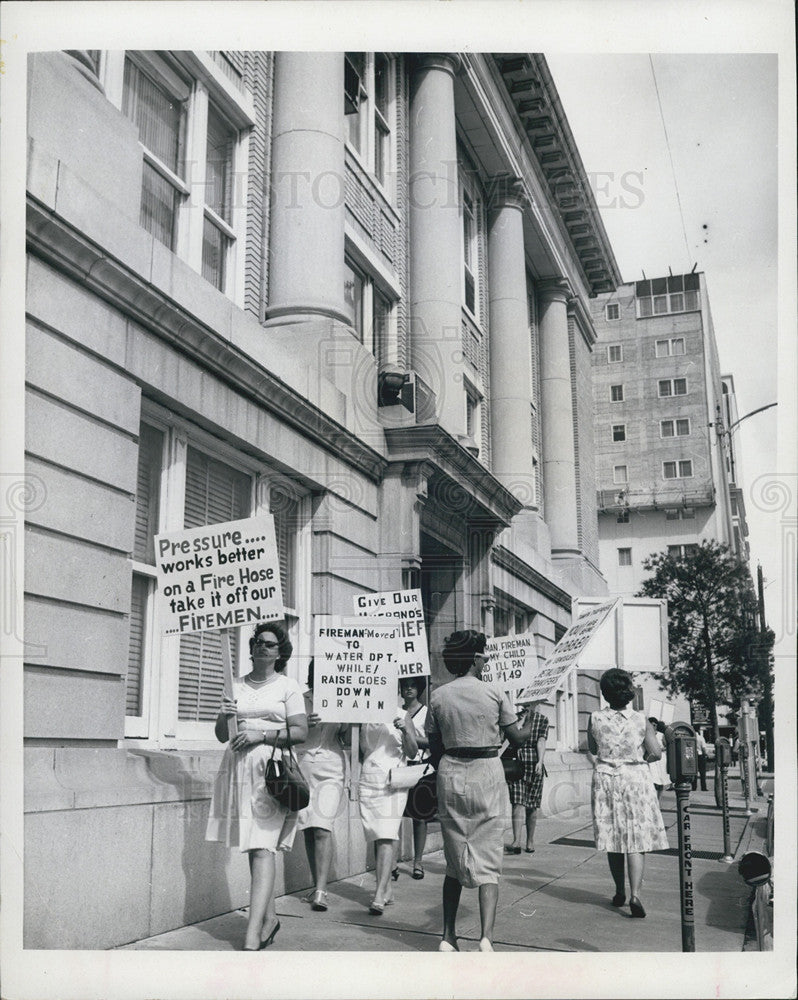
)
(717, 653)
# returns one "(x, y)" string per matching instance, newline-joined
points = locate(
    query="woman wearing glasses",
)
(466, 723)
(270, 712)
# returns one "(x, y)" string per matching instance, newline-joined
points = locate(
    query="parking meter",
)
(682, 768)
(682, 752)
(723, 753)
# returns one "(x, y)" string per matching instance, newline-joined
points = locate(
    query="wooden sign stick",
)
(227, 676)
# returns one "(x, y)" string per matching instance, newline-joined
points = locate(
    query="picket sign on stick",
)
(354, 762)
(227, 677)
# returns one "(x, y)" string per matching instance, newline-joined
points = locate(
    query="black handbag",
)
(513, 767)
(422, 799)
(285, 781)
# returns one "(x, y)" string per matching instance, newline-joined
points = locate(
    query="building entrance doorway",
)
(441, 577)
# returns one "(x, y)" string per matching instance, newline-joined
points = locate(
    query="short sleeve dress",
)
(243, 814)
(626, 814)
(473, 803)
(381, 807)
(528, 790)
(322, 760)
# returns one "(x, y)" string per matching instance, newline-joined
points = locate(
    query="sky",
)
(682, 153)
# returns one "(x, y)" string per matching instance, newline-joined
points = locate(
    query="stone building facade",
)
(349, 289)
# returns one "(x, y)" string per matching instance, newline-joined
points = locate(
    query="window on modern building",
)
(371, 311)
(670, 347)
(620, 474)
(672, 387)
(185, 480)
(677, 470)
(616, 393)
(624, 557)
(612, 311)
(679, 514)
(680, 551)
(619, 432)
(623, 517)
(614, 353)
(677, 293)
(191, 126)
(675, 428)
(369, 104)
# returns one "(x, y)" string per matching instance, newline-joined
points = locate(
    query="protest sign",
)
(404, 608)
(566, 654)
(218, 576)
(355, 670)
(513, 660)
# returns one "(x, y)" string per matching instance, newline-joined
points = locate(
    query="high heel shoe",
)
(636, 907)
(445, 946)
(485, 945)
(376, 908)
(618, 899)
(267, 941)
(395, 874)
(319, 900)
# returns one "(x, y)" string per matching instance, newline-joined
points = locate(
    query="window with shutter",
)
(215, 493)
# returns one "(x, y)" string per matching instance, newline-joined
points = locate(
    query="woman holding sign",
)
(465, 722)
(324, 766)
(270, 713)
(381, 807)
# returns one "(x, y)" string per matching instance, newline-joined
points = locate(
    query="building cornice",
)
(517, 567)
(464, 485)
(61, 246)
(534, 96)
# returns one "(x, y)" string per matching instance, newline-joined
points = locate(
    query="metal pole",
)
(685, 865)
(724, 797)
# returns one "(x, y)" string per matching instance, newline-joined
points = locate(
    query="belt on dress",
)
(471, 753)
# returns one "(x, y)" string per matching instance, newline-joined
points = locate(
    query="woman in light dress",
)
(323, 764)
(383, 747)
(467, 722)
(270, 713)
(627, 822)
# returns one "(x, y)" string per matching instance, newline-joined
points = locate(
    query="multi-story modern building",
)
(349, 289)
(667, 470)
(664, 468)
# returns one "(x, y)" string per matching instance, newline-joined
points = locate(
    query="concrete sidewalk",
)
(557, 899)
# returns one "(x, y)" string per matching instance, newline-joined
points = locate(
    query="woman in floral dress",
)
(627, 822)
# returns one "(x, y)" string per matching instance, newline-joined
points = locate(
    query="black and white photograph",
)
(398, 499)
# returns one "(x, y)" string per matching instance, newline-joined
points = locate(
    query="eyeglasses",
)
(265, 645)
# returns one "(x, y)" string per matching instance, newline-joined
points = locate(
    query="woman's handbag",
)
(422, 799)
(285, 781)
(406, 776)
(513, 767)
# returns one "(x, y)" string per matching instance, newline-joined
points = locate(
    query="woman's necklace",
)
(257, 683)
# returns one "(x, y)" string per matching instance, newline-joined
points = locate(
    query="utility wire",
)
(670, 155)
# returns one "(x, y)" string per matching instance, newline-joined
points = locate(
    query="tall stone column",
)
(435, 239)
(510, 347)
(559, 460)
(306, 267)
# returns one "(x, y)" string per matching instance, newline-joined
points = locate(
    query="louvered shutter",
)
(215, 493)
(135, 656)
(285, 510)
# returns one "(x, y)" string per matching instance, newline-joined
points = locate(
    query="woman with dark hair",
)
(322, 761)
(466, 724)
(526, 794)
(270, 713)
(627, 822)
(411, 689)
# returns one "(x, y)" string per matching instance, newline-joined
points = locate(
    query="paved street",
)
(555, 900)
